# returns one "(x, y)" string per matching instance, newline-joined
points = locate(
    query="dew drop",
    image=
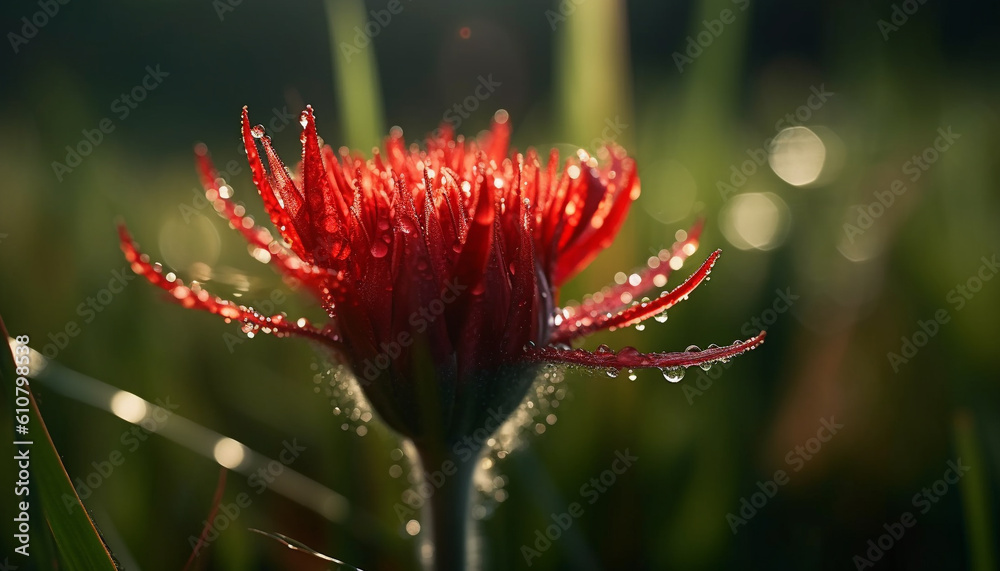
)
(304, 119)
(257, 131)
(407, 225)
(640, 327)
(661, 317)
(612, 372)
(631, 375)
(457, 247)
(673, 374)
(379, 249)
(603, 349)
(628, 352)
(692, 349)
(705, 366)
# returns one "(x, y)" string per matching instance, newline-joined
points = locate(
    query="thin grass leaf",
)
(77, 539)
(299, 546)
(220, 488)
(979, 526)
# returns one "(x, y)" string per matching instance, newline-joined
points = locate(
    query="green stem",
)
(445, 518)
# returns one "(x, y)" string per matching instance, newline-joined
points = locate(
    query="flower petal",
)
(197, 298)
(286, 260)
(616, 296)
(279, 217)
(639, 312)
(630, 358)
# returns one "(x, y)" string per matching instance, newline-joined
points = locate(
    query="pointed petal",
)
(639, 312)
(279, 217)
(499, 137)
(629, 358)
(616, 296)
(600, 229)
(197, 298)
(286, 261)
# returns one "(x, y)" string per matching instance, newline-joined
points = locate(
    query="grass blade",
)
(77, 539)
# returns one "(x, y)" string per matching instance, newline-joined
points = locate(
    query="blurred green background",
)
(695, 93)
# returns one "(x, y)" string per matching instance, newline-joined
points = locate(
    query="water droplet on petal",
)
(379, 249)
(407, 225)
(661, 317)
(631, 375)
(603, 349)
(705, 366)
(640, 327)
(612, 373)
(692, 349)
(257, 131)
(628, 352)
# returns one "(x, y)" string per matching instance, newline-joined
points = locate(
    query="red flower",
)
(440, 267)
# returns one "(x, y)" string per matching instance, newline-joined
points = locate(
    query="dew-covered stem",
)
(445, 522)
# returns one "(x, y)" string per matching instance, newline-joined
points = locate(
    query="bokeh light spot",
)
(755, 220)
(128, 406)
(797, 156)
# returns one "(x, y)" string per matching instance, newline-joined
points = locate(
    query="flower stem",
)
(445, 518)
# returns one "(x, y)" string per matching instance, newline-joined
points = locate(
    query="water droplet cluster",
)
(347, 402)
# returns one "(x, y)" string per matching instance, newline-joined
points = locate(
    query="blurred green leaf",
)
(79, 543)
